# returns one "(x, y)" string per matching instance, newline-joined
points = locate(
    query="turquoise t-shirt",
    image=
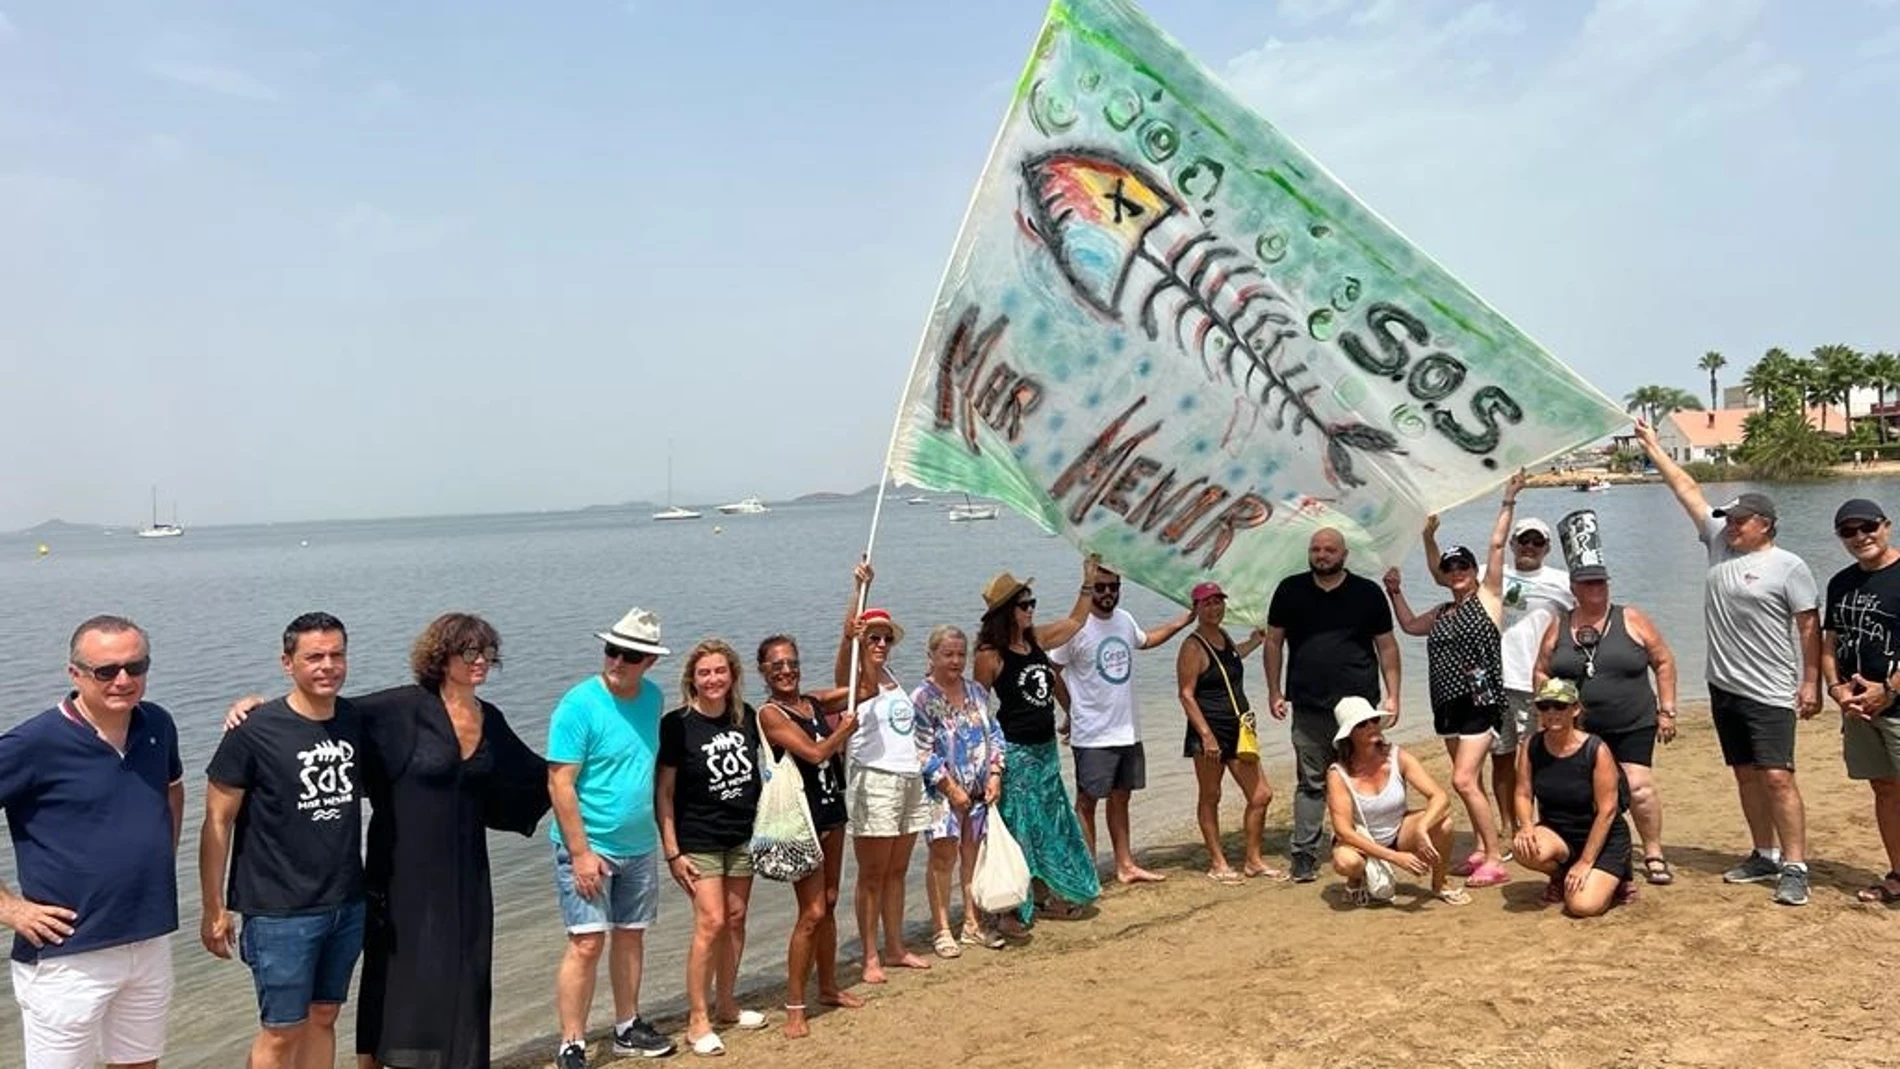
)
(614, 741)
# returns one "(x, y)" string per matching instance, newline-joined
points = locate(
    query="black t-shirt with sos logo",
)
(716, 787)
(297, 847)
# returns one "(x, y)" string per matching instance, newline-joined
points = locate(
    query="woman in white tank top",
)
(1366, 797)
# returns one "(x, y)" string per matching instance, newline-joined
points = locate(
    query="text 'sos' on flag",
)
(1169, 334)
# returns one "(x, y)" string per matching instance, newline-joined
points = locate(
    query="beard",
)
(1327, 570)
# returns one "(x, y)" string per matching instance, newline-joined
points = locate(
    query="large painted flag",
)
(1169, 334)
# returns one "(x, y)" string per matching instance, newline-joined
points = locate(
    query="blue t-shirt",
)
(614, 741)
(92, 830)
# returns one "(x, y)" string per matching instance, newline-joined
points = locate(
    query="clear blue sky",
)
(361, 258)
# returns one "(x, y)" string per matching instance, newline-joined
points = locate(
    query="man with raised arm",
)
(1333, 632)
(1762, 612)
(1098, 665)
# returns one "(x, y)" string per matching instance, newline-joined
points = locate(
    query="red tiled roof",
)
(1723, 426)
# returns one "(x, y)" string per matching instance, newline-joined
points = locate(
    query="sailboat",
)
(970, 510)
(672, 511)
(161, 530)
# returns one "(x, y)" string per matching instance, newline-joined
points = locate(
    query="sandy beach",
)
(1193, 973)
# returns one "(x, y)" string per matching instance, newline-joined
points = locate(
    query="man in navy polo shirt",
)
(94, 795)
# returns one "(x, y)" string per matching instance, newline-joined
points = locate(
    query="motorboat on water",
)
(751, 506)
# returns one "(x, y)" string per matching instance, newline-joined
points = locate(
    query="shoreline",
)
(1188, 972)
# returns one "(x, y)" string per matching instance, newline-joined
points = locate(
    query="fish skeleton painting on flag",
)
(1170, 335)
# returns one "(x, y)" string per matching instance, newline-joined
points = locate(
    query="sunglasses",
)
(106, 673)
(489, 654)
(621, 653)
(1532, 538)
(783, 664)
(1855, 530)
(1027, 604)
(1456, 566)
(1551, 707)
(879, 638)
(1107, 588)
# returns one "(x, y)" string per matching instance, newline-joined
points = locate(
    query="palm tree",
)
(1655, 402)
(1777, 380)
(1883, 374)
(1838, 369)
(1712, 362)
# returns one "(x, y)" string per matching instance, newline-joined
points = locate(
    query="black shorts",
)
(1226, 731)
(1464, 718)
(1102, 770)
(1753, 734)
(1633, 746)
(1615, 856)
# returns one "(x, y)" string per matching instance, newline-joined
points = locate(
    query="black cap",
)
(1457, 553)
(1859, 509)
(1747, 505)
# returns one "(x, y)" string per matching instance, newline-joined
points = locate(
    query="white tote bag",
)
(784, 842)
(1001, 880)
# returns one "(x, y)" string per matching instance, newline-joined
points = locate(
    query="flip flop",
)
(1454, 896)
(1225, 876)
(1657, 871)
(1265, 872)
(1880, 893)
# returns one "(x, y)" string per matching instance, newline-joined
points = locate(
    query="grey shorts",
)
(1102, 770)
(1871, 747)
(1515, 725)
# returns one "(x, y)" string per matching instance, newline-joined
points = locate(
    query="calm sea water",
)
(216, 600)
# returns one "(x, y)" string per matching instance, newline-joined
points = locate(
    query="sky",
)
(357, 259)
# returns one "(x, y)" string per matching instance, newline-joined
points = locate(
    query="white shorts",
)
(96, 1006)
(884, 805)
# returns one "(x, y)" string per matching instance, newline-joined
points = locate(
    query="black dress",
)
(428, 936)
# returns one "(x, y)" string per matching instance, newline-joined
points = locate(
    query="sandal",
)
(1657, 871)
(1489, 874)
(946, 945)
(983, 937)
(1881, 893)
(1226, 876)
(708, 1045)
(1356, 895)
(1472, 863)
(1265, 872)
(1454, 896)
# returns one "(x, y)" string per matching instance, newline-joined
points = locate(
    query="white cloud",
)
(228, 81)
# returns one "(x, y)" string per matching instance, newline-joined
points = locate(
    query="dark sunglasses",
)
(1855, 530)
(106, 673)
(1456, 566)
(1532, 538)
(620, 653)
(1027, 603)
(1550, 707)
(879, 638)
(1107, 588)
(783, 664)
(489, 654)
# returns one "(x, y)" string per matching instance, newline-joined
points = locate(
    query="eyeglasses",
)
(621, 653)
(1532, 538)
(1107, 588)
(1027, 604)
(489, 654)
(106, 673)
(1855, 530)
(783, 664)
(879, 638)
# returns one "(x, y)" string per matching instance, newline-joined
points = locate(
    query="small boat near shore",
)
(970, 511)
(751, 506)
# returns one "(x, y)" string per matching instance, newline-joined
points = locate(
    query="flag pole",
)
(910, 381)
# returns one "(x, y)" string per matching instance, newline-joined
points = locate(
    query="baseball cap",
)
(1459, 554)
(1203, 591)
(1858, 508)
(1750, 504)
(1556, 690)
(1531, 523)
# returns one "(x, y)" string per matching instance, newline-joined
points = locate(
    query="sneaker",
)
(1755, 869)
(1792, 888)
(641, 1038)
(572, 1056)
(1305, 869)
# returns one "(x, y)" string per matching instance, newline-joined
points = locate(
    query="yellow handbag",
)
(1249, 738)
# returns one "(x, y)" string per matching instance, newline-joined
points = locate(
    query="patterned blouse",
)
(963, 740)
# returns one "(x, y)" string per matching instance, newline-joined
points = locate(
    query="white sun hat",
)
(638, 631)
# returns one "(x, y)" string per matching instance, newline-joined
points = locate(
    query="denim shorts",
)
(301, 959)
(629, 894)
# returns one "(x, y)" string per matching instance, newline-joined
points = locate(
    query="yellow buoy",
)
(45, 549)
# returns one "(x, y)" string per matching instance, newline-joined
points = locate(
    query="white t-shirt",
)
(1531, 600)
(1749, 606)
(884, 737)
(1099, 663)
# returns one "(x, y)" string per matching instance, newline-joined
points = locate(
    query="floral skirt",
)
(1041, 816)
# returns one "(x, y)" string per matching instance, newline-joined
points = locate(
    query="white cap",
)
(1532, 523)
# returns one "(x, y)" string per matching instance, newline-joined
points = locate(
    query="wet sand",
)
(1193, 973)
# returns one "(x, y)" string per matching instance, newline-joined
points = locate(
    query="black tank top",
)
(824, 783)
(1210, 690)
(1613, 678)
(1026, 697)
(1565, 787)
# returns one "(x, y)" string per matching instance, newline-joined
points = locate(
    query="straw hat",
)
(1003, 589)
(881, 618)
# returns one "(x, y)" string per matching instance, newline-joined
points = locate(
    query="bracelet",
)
(673, 857)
